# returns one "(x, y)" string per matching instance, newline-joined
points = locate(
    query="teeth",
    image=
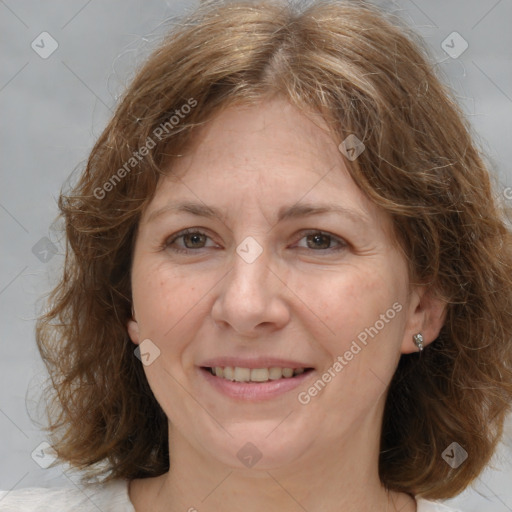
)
(238, 374)
(275, 373)
(287, 372)
(259, 375)
(242, 374)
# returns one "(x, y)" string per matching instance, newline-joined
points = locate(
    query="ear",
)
(426, 315)
(133, 329)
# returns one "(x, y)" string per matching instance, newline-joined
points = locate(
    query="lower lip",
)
(255, 391)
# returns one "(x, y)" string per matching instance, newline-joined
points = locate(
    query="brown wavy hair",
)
(367, 75)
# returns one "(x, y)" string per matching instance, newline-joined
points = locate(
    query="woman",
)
(287, 284)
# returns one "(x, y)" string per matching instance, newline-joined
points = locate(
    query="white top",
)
(109, 497)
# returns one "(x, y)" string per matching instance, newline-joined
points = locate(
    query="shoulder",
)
(108, 497)
(433, 506)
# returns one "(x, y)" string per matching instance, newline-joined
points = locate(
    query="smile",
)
(255, 384)
(239, 374)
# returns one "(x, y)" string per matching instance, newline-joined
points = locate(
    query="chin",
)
(260, 446)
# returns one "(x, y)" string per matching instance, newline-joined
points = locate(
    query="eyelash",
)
(169, 241)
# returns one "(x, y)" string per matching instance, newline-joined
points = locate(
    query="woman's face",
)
(260, 257)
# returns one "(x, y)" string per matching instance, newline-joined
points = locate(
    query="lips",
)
(254, 379)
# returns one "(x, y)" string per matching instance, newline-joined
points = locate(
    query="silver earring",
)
(418, 341)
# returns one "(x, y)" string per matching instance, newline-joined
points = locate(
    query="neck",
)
(345, 479)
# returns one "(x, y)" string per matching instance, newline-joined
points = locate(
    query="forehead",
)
(271, 132)
(271, 155)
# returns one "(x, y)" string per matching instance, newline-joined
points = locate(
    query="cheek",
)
(364, 313)
(344, 305)
(164, 297)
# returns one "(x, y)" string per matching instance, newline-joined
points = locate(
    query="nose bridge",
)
(249, 278)
(249, 296)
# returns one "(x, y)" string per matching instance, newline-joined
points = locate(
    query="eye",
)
(321, 241)
(189, 239)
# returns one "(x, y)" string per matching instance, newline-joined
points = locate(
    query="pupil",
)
(317, 240)
(194, 238)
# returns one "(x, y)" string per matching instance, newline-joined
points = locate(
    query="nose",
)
(251, 299)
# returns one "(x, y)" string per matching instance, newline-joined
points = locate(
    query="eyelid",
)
(342, 243)
(171, 239)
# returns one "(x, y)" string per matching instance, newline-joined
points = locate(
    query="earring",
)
(418, 341)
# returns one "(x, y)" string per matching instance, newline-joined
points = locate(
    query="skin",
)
(294, 301)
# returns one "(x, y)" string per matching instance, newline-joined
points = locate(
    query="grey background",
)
(53, 109)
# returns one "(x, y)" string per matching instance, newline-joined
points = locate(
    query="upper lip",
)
(257, 362)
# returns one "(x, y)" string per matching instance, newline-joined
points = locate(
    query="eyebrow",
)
(285, 212)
